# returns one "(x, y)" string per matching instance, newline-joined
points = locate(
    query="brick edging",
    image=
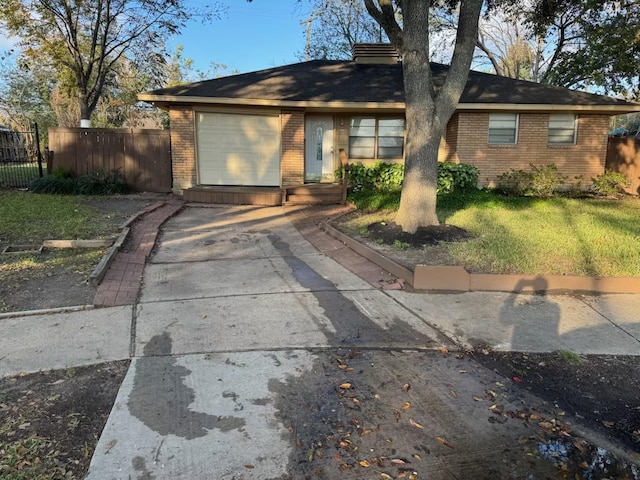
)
(457, 279)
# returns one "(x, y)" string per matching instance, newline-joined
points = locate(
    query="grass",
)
(563, 236)
(29, 219)
(19, 175)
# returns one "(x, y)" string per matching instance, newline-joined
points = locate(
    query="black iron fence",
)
(20, 158)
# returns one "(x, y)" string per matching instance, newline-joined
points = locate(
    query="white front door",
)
(318, 164)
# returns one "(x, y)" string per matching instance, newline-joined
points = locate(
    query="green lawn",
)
(19, 175)
(595, 237)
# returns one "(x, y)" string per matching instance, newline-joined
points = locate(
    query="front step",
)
(322, 193)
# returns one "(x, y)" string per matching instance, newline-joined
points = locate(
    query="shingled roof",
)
(347, 82)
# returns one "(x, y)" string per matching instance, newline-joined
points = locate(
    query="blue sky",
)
(250, 36)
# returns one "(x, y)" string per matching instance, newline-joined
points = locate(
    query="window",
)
(503, 128)
(562, 129)
(381, 138)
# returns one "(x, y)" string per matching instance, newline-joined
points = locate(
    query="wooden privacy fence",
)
(143, 156)
(623, 155)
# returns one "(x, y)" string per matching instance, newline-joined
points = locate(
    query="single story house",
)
(287, 127)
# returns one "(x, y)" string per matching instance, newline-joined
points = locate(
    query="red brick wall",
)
(586, 157)
(183, 148)
(292, 147)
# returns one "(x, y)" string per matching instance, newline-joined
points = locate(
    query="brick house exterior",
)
(281, 104)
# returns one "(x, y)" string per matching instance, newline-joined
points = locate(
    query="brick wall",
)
(586, 157)
(292, 147)
(183, 148)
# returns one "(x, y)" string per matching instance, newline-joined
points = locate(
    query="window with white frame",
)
(381, 138)
(503, 128)
(562, 128)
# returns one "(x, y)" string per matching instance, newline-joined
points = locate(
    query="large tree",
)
(88, 38)
(428, 108)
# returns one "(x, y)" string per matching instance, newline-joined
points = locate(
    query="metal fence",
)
(20, 158)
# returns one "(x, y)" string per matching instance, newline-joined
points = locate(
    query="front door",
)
(318, 164)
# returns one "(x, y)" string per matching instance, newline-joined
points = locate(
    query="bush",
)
(515, 182)
(546, 180)
(456, 176)
(102, 182)
(610, 183)
(53, 184)
(99, 182)
(541, 181)
(386, 177)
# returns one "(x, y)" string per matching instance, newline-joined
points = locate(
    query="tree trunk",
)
(85, 114)
(424, 131)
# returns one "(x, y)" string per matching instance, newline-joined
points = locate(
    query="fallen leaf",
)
(366, 432)
(406, 387)
(398, 461)
(24, 425)
(342, 366)
(462, 371)
(406, 406)
(478, 399)
(58, 382)
(500, 384)
(608, 424)
(453, 394)
(355, 401)
(517, 379)
(249, 467)
(110, 445)
(444, 350)
(364, 463)
(417, 457)
(337, 457)
(345, 386)
(444, 442)
(415, 424)
(310, 453)
(384, 476)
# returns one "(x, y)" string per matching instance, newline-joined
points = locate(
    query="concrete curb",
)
(457, 279)
(101, 269)
(45, 311)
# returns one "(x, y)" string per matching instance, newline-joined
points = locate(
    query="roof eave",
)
(164, 102)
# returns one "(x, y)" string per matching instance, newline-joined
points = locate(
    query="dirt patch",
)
(603, 391)
(59, 278)
(50, 422)
(425, 247)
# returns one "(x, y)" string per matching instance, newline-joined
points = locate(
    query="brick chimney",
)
(377, 53)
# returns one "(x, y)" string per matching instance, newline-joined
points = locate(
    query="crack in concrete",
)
(608, 319)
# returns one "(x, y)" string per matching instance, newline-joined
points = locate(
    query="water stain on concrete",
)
(139, 465)
(160, 397)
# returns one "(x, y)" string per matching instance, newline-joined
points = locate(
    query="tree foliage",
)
(85, 40)
(336, 25)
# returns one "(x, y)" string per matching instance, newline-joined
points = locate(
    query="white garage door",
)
(238, 149)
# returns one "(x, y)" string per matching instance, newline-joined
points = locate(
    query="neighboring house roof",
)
(347, 84)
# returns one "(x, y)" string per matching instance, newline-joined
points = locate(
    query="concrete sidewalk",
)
(258, 356)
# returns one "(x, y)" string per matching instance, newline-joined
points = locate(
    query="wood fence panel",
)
(623, 155)
(143, 156)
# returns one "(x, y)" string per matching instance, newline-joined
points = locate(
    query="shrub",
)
(546, 180)
(386, 177)
(610, 183)
(53, 184)
(101, 182)
(62, 172)
(515, 182)
(456, 176)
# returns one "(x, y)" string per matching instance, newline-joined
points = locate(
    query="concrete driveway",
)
(255, 356)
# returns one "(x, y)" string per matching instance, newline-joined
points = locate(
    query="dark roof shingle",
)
(347, 81)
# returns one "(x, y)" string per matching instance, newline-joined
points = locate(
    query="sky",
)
(248, 37)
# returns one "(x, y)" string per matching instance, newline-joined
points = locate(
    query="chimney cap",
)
(376, 53)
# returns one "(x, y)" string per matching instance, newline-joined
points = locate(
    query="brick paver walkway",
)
(121, 283)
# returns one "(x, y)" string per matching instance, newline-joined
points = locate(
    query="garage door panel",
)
(238, 149)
